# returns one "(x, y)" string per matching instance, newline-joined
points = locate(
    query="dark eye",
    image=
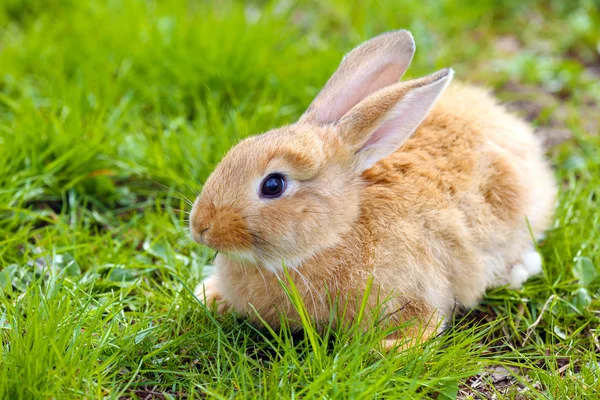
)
(273, 186)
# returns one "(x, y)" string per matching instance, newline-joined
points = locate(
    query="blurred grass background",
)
(113, 112)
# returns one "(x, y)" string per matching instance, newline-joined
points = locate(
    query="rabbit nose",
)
(200, 230)
(200, 224)
(203, 233)
(200, 233)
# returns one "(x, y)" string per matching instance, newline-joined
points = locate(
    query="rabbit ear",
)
(378, 125)
(375, 64)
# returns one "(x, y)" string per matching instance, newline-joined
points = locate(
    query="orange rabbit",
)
(424, 186)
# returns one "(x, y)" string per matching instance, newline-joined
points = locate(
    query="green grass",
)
(112, 112)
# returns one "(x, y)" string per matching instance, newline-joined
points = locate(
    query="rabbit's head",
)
(289, 193)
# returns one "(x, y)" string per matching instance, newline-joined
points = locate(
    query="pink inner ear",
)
(401, 121)
(357, 89)
(391, 132)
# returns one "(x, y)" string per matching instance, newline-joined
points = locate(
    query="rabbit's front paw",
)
(208, 292)
(414, 335)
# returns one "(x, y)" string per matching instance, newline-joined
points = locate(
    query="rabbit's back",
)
(453, 203)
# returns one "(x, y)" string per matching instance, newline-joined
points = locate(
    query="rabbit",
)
(425, 188)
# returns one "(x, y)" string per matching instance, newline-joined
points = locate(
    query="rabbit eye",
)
(273, 186)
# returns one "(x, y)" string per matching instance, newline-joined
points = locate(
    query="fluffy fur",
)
(428, 190)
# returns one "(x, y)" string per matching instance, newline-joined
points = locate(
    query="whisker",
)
(182, 211)
(183, 197)
(199, 182)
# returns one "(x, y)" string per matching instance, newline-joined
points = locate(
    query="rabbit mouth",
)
(265, 262)
(240, 256)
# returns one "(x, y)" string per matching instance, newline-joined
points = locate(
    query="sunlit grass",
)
(113, 113)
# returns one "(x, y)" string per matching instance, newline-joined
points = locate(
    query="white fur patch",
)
(518, 275)
(540, 236)
(531, 265)
(206, 288)
(532, 262)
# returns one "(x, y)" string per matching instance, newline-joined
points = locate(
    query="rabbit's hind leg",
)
(529, 265)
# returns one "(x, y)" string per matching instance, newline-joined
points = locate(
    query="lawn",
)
(113, 113)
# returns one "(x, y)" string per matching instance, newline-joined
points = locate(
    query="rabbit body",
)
(434, 216)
